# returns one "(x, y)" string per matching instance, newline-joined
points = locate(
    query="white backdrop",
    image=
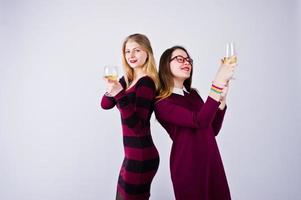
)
(57, 144)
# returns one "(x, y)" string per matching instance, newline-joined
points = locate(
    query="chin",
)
(133, 66)
(186, 76)
(136, 66)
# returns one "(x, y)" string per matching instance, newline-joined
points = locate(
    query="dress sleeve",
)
(108, 102)
(218, 120)
(208, 111)
(135, 115)
(167, 111)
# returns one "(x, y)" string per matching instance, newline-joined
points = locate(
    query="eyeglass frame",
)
(188, 59)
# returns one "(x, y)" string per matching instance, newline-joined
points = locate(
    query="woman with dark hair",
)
(134, 96)
(196, 167)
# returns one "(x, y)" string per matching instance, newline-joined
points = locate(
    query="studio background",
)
(56, 143)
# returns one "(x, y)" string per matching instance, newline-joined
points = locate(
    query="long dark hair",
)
(165, 75)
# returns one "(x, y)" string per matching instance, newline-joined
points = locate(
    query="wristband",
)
(216, 89)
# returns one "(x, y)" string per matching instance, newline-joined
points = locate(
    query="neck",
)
(178, 83)
(138, 73)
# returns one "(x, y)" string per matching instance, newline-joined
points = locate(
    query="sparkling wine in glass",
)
(111, 72)
(231, 54)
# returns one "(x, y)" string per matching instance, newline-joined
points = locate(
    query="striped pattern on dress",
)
(141, 159)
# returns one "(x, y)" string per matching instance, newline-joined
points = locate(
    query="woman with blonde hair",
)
(195, 164)
(134, 96)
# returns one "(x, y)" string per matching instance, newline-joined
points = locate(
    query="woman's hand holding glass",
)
(228, 65)
(113, 87)
(224, 74)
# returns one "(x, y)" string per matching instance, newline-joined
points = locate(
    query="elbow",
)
(216, 129)
(102, 105)
(215, 132)
(105, 106)
(107, 103)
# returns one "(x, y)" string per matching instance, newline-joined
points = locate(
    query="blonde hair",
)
(149, 66)
(166, 76)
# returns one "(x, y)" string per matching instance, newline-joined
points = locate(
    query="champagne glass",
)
(231, 54)
(111, 72)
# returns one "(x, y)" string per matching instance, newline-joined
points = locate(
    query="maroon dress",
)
(196, 167)
(141, 159)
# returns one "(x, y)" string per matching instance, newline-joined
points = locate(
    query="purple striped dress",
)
(141, 159)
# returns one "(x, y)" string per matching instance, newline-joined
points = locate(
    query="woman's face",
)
(134, 54)
(180, 65)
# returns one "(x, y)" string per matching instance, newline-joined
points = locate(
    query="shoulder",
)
(145, 81)
(163, 102)
(167, 100)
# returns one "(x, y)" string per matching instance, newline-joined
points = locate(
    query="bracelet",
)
(216, 89)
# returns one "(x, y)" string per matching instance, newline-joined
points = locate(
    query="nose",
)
(186, 62)
(132, 54)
